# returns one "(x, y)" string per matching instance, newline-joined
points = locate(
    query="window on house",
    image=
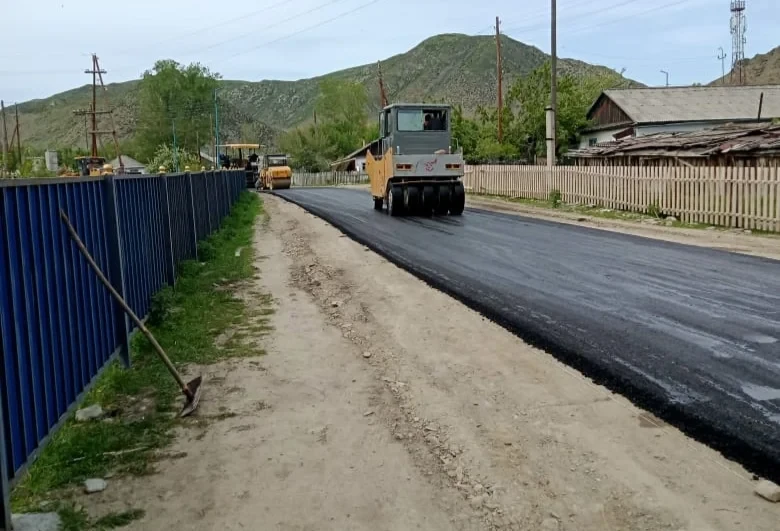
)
(592, 141)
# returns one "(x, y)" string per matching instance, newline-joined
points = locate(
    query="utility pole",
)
(18, 135)
(213, 142)
(197, 141)
(553, 109)
(382, 93)
(216, 128)
(175, 158)
(500, 76)
(93, 110)
(5, 138)
(667, 76)
(722, 57)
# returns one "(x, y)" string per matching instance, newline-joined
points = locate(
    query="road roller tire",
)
(458, 200)
(428, 200)
(412, 199)
(443, 200)
(395, 201)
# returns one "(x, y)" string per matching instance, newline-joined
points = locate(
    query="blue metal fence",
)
(58, 325)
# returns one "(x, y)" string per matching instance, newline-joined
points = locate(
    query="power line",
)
(254, 31)
(210, 27)
(322, 23)
(543, 25)
(576, 30)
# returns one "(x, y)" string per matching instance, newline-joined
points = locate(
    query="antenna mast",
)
(738, 29)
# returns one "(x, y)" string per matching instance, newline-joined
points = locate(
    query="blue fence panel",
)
(140, 224)
(59, 326)
(183, 238)
(55, 330)
(201, 202)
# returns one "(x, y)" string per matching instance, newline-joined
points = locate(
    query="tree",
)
(531, 95)
(341, 127)
(342, 110)
(167, 157)
(175, 96)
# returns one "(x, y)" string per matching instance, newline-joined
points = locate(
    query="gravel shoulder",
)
(383, 404)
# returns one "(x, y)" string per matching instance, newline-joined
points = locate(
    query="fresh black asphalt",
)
(692, 334)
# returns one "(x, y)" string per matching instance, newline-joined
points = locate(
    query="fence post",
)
(5, 498)
(208, 199)
(192, 214)
(116, 272)
(165, 206)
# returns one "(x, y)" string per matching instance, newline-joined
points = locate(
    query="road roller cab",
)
(412, 167)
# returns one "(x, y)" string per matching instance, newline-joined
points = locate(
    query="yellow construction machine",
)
(90, 167)
(276, 173)
(411, 167)
(237, 161)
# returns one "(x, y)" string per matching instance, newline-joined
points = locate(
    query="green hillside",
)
(456, 68)
(763, 69)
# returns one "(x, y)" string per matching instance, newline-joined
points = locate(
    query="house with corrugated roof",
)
(638, 112)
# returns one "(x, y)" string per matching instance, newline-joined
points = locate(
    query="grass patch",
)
(75, 518)
(114, 520)
(142, 401)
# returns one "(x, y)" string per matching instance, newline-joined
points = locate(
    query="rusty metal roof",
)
(744, 139)
(694, 104)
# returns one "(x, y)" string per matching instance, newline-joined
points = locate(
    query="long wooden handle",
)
(74, 235)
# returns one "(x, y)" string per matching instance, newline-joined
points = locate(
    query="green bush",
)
(160, 306)
(555, 198)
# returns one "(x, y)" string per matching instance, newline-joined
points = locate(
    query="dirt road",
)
(385, 405)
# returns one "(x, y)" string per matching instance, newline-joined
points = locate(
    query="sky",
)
(45, 45)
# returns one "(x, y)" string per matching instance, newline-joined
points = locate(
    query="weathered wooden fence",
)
(59, 327)
(329, 178)
(747, 198)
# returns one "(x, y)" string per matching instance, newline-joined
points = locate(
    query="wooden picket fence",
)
(329, 178)
(738, 197)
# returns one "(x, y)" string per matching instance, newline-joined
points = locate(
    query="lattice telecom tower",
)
(738, 29)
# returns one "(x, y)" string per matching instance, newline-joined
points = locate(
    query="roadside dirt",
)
(734, 240)
(384, 404)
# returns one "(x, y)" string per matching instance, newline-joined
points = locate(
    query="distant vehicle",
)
(90, 167)
(249, 164)
(411, 167)
(276, 173)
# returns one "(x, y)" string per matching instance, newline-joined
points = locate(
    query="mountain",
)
(455, 68)
(763, 69)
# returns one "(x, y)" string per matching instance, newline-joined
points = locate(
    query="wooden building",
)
(737, 145)
(638, 112)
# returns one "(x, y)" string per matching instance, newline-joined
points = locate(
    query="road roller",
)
(411, 166)
(276, 173)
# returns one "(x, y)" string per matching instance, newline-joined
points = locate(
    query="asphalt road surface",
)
(692, 334)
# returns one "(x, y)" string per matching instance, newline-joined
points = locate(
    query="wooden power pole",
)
(552, 119)
(5, 137)
(382, 93)
(500, 75)
(18, 135)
